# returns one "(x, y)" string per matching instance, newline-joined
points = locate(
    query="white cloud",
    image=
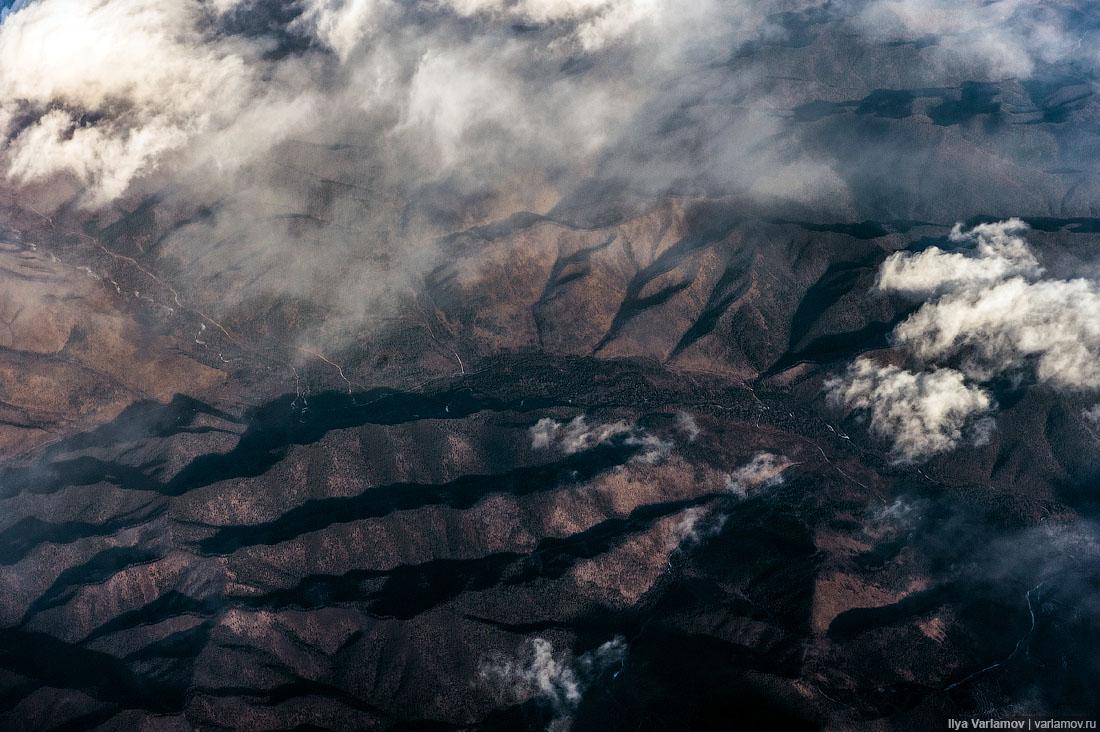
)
(470, 112)
(763, 471)
(342, 24)
(128, 88)
(1051, 323)
(543, 433)
(114, 91)
(595, 23)
(557, 678)
(993, 312)
(921, 413)
(577, 435)
(652, 448)
(109, 90)
(696, 525)
(112, 158)
(1000, 252)
(990, 312)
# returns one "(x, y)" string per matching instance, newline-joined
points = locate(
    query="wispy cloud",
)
(1002, 37)
(764, 470)
(557, 678)
(687, 424)
(577, 435)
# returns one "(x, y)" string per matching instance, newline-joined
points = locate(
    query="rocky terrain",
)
(621, 500)
(325, 451)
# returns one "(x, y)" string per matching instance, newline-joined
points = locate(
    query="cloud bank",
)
(920, 413)
(112, 92)
(1000, 253)
(990, 312)
(127, 96)
(107, 92)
